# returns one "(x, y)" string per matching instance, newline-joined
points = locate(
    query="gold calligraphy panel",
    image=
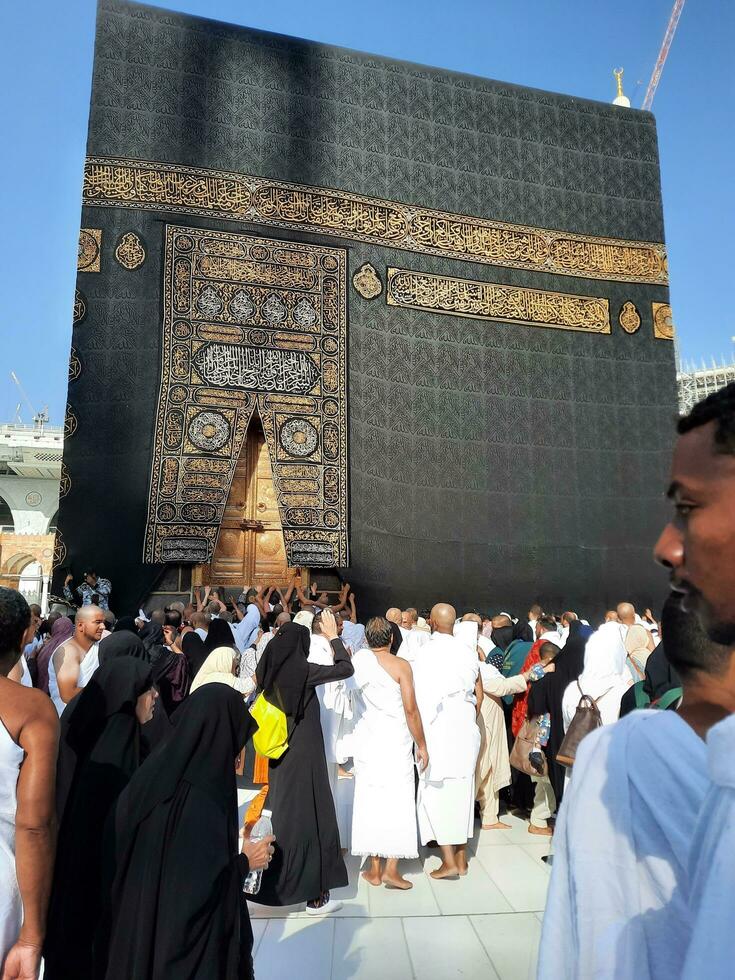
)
(663, 325)
(493, 301)
(170, 187)
(250, 324)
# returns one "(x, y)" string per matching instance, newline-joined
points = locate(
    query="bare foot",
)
(445, 871)
(396, 881)
(498, 825)
(543, 831)
(372, 878)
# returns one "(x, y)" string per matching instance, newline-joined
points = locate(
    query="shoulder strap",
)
(669, 698)
(642, 700)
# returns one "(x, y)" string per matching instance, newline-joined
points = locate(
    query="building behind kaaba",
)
(428, 312)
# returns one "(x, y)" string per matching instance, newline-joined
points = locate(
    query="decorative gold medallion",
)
(663, 325)
(80, 307)
(629, 318)
(90, 250)
(367, 281)
(59, 549)
(75, 366)
(129, 251)
(64, 482)
(70, 422)
(495, 301)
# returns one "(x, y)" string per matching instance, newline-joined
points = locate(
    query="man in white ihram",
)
(448, 693)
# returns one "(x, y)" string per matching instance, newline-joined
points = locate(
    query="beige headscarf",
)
(638, 647)
(216, 669)
(304, 618)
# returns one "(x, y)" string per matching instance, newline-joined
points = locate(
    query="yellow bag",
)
(271, 738)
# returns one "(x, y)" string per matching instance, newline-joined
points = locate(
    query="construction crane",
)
(39, 418)
(663, 53)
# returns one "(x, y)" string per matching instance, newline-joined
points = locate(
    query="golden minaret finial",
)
(621, 98)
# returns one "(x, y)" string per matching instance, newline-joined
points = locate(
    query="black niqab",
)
(123, 644)
(283, 670)
(503, 636)
(195, 652)
(126, 623)
(99, 751)
(177, 909)
(219, 634)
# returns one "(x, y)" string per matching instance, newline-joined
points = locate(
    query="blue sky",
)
(563, 45)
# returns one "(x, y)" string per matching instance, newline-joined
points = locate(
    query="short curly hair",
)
(15, 618)
(719, 407)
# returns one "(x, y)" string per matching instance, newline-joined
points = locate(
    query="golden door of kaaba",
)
(250, 548)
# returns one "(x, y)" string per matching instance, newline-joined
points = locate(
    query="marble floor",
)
(486, 925)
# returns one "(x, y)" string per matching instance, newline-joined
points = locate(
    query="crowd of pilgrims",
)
(420, 711)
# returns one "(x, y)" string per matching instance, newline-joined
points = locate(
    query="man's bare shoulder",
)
(22, 706)
(68, 652)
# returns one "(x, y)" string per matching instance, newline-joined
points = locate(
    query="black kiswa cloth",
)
(177, 911)
(307, 859)
(546, 695)
(99, 751)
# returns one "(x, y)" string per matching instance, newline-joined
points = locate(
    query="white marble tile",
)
(446, 948)
(522, 880)
(296, 947)
(354, 896)
(475, 893)
(275, 912)
(518, 833)
(483, 838)
(538, 849)
(511, 942)
(418, 901)
(259, 926)
(370, 949)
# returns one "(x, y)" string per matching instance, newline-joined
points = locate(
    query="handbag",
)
(271, 738)
(524, 744)
(586, 719)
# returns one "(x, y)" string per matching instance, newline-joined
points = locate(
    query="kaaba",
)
(397, 324)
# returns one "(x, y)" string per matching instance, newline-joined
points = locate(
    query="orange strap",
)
(260, 769)
(256, 807)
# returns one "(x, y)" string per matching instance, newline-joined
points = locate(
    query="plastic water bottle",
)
(263, 828)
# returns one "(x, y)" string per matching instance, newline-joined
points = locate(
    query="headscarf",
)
(182, 802)
(126, 623)
(151, 634)
(466, 633)
(122, 644)
(547, 694)
(304, 618)
(604, 662)
(523, 631)
(99, 751)
(219, 634)
(217, 668)
(61, 631)
(283, 669)
(503, 636)
(520, 701)
(195, 652)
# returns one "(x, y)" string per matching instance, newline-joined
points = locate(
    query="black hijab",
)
(546, 695)
(126, 623)
(177, 909)
(283, 669)
(151, 634)
(219, 634)
(397, 637)
(122, 644)
(99, 751)
(503, 636)
(195, 652)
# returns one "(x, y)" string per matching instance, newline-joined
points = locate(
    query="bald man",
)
(75, 661)
(448, 694)
(626, 613)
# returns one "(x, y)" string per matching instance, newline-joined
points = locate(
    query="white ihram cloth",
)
(88, 666)
(605, 677)
(617, 906)
(335, 712)
(445, 675)
(11, 907)
(353, 635)
(712, 864)
(413, 644)
(384, 811)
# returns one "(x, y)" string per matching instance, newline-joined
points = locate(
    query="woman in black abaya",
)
(546, 695)
(99, 751)
(308, 860)
(177, 909)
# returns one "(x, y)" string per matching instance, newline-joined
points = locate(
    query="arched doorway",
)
(250, 549)
(30, 583)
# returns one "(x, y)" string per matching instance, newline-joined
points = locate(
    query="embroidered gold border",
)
(112, 182)
(495, 301)
(663, 325)
(89, 251)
